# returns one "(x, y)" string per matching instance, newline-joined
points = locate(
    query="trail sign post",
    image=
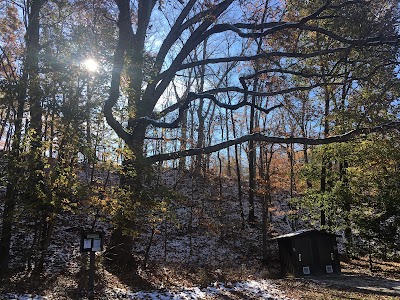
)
(91, 242)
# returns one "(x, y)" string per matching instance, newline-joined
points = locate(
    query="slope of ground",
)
(199, 250)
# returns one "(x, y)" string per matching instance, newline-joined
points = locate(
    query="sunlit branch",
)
(277, 140)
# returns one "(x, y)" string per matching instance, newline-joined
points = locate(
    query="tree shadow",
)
(129, 277)
(22, 282)
(362, 284)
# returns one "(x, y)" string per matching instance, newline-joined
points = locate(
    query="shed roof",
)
(303, 232)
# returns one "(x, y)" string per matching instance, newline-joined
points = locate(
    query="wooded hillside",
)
(98, 99)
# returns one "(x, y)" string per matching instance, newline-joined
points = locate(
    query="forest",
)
(191, 133)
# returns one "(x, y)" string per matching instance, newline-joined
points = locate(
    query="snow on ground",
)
(202, 232)
(243, 290)
(21, 297)
(251, 289)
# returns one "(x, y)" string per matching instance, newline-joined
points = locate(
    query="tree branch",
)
(173, 35)
(307, 74)
(277, 140)
(279, 54)
(125, 35)
(159, 85)
(194, 96)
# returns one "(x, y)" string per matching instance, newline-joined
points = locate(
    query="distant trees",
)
(359, 92)
(363, 196)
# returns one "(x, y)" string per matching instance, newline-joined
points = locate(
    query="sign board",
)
(91, 241)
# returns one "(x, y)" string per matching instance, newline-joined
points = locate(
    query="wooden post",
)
(91, 242)
(91, 275)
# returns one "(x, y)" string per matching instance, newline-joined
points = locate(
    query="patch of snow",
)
(262, 289)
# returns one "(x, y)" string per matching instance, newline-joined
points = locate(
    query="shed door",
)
(326, 255)
(304, 255)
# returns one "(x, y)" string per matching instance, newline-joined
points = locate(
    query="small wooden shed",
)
(308, 252)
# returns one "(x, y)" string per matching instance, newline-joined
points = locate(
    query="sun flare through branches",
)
(91, 65)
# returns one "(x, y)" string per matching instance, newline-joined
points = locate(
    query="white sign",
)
(96, 245)
(87, 243)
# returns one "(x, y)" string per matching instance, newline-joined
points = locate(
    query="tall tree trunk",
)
(201, 118)
(183, 142)
(130, 47)
(184, 131)
(119, 250)
(12, 190)
(343, 166)
(252, 155)
(35, 127)
(29, 76)
(6, 119)
(228, 153)
(238, 174)
(13, 175)
(200, 138)
(306, 161)
(264, 206)
(292, 156)
(325, 161)
(47, 227)
(252, 175)
(347, 207)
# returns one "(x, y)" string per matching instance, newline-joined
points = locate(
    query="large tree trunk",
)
(131, 47)
(119, 250)
(35, 126)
